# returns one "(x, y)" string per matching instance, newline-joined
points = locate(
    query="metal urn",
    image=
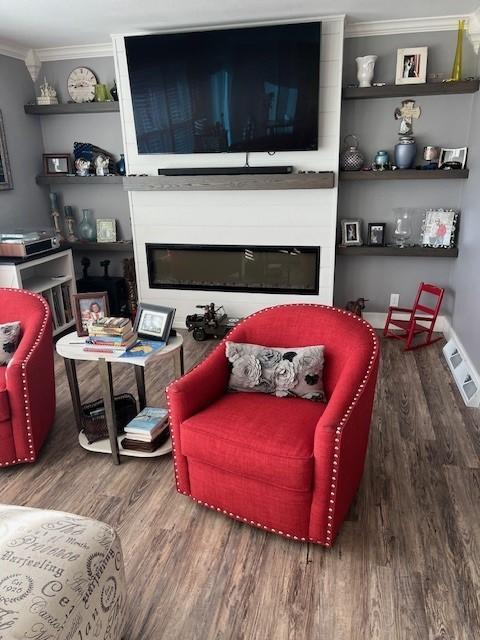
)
(351, 158)
(405, 153)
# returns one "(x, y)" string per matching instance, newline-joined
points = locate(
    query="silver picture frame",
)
(351, 233)
(440, 227)
(6, 181)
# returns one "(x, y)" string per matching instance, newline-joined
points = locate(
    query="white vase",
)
(365, 69)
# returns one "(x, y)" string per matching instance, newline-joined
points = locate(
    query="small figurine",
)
(55, 216)
(213, 323)
(70, 224)
(48, 95)
(406, 114)
(82, 166)
(356, 306)
(101, 165)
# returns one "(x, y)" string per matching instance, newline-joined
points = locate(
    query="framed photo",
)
(439, 228)
(57, 164)
(154, 322)
(411, 65)
(106, 230)
(376, 234)
(453, 158)
(89, 307)
(6, 181)
(351, 233)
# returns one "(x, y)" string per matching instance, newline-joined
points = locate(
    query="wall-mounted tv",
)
(233, 90)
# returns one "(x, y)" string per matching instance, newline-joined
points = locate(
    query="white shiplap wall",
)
(298, 217)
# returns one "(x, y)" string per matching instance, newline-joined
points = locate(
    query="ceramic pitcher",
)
(365, 69)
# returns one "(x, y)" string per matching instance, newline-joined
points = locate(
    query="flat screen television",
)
(233, 90)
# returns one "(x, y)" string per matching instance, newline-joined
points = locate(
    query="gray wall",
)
(104, 130)
(26, 206)
(465, 276)
(444, 122)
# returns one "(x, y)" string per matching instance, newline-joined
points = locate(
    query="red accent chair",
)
(27, 383)
(287, 465)
(412, 327)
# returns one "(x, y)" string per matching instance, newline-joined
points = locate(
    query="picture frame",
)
(154, 322)
(439, 228)
(57, 164)
(376, 234)
(448, 156)
(6, 181)
(106, 230)
(351, 233)
(88, 307)
(411, 65)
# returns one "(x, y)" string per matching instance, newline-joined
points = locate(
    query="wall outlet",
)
(394, 299)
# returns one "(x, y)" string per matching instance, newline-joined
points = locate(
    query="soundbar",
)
(224, 171)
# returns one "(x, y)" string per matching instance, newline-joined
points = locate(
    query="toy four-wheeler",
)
(212, 323)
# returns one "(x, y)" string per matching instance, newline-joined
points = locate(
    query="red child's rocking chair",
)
(412, 327)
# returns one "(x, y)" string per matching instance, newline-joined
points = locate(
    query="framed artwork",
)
(439, 228)
(411, 65)
(154, 322)
(453, 158)
(351, 233)
(106, 230)
(376, 234)
(89, 307)
(57, 164)
(6, 181)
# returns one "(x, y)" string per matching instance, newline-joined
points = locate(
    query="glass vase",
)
(403, 226)
(86, 228)
(457, 62)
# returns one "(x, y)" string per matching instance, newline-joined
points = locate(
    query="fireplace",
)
(255, 269)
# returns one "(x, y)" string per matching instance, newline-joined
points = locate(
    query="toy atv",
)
(212, 323)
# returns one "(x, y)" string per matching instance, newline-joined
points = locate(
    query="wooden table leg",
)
(140, 378)
(105, 370)
(74, 391)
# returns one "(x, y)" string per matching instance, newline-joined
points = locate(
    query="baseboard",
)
(377, 320)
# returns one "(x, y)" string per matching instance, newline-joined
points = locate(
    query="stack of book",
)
(110, 335)
(147, 431)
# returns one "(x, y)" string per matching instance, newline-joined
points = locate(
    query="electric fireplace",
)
(247, 268)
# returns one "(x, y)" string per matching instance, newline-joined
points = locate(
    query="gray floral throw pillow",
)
(9, 335)
(275, 370)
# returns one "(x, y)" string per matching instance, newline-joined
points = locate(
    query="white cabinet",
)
(52, 276)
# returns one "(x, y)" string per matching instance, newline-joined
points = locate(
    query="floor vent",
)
(463, 374)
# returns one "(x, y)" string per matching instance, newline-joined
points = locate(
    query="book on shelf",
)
(146, 446)
(58, 307)
(67, 301)
(148, 424)
(47, 295)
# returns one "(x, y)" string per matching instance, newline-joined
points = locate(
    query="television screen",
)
(235, 90)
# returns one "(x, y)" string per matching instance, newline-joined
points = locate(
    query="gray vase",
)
(405, 153)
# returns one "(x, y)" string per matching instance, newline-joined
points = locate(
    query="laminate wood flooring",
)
(406, 565)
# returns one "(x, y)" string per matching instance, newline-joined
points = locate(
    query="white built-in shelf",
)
(37, 284)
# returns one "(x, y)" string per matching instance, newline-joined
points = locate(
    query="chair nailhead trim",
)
(338, 432)
(23, 365)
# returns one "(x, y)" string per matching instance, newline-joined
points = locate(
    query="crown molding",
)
(102, 50)
(406, 25)
(12, 50)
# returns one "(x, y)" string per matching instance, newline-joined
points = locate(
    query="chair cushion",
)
(292, 371)
(4, 403)
(256, 435)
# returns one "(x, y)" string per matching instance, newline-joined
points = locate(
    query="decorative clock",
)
(81, 85)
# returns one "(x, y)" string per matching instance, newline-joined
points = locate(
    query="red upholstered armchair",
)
(287, 465)
(27, 383)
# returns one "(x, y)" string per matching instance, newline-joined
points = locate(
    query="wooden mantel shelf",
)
(321, 180)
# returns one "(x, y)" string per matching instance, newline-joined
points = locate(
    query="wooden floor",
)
(405, 566)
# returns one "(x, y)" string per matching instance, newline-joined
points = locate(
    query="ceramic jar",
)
(381, 160)
(365, 70)
(351, 158)
(405, 153)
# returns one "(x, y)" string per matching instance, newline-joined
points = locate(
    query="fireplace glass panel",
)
(234, 268)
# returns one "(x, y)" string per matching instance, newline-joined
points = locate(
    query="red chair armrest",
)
(340, 444)
(188, 395)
